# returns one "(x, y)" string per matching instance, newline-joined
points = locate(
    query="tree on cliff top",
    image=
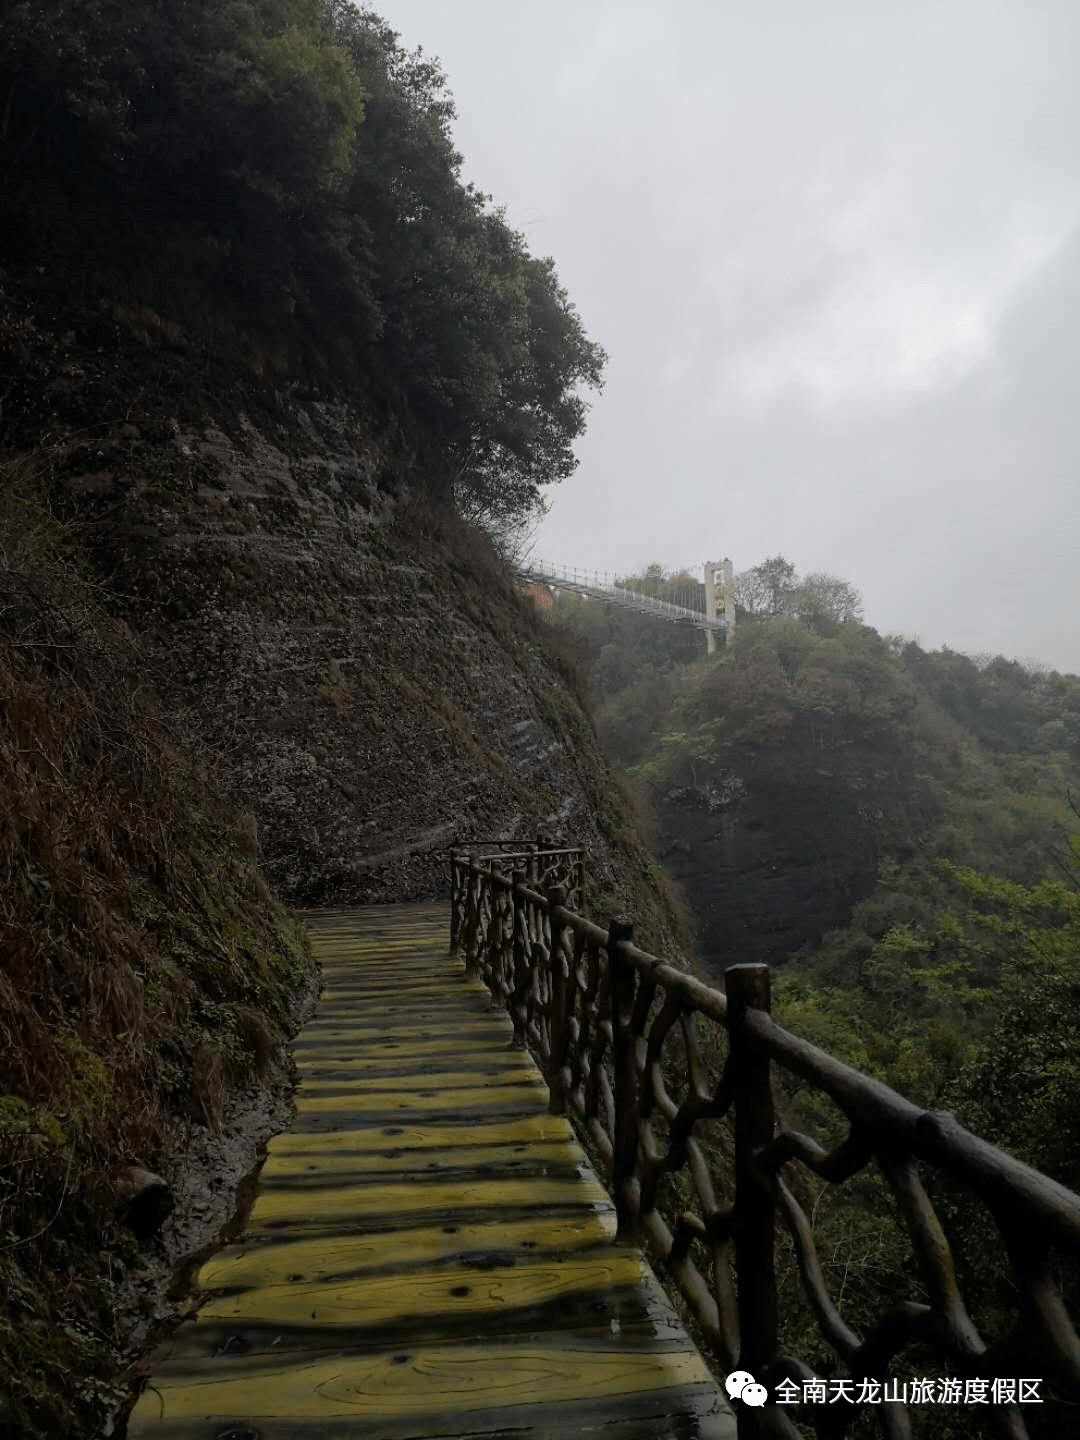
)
(286, 162)
(819, 600)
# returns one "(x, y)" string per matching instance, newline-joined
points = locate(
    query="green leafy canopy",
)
(290, 162)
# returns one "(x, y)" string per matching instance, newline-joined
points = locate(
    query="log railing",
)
(540, 862)
(649, 1059)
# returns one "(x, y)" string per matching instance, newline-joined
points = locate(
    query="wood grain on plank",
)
(271, 1262)
(411, 1133)
(345, 1201)
(435, 1378)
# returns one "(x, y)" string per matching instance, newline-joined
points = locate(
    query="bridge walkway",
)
(612, 593)
(428, 1254)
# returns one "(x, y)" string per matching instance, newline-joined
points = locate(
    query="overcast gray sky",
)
(832, 248)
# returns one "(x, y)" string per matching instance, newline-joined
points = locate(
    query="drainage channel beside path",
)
(429, 1253)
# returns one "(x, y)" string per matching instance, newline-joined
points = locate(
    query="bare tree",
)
(819, 600)
(513, 533)
(767, 589)
(823, 600)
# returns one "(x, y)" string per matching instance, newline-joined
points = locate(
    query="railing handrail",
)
(933, 1135)
(569, 982)
(560, 864)
(465, 851)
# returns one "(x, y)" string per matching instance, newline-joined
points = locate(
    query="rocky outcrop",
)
(370, 684)
(144, 1200)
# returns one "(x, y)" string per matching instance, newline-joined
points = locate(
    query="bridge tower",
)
(720, 600)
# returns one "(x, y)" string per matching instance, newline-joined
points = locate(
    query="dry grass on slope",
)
(143, 965)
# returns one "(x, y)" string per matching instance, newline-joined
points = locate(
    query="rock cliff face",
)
(370, 681)
(362, 668)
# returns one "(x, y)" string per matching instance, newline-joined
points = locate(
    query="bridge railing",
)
(648, 1058)
(592, 584)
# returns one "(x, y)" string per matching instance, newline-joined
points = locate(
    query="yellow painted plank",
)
(437, 1379)
(370, 1011)
(434, 1014)
(410, 1044)
(358, 1100)
(390, 1081)
(354, 1202)
(524, 1130)
(446, 1004)
(420, 1082)
(405, 985)
(283, 1166)
(384, 963)
(447, 1295)
(272, 1262)
(421, 1051)
(366, 1007)
(380, 959)
(512, 1064)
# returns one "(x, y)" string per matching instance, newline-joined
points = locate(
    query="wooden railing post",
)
(455, 903)
(755, 1206)
(519, 977)
(472, 916)
(560, 993)
(492, 951)
(623, 982)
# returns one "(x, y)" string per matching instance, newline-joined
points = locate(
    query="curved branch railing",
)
(619, 1033)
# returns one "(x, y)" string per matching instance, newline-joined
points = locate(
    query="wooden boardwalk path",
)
(429, 1253)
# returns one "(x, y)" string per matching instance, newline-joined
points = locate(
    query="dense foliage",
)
(280, 175)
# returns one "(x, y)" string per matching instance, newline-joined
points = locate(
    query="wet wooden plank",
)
(438, 1198)
(477, 1100)
(412, 1134)
(498, 1161)
(454, 1382)
(271, 1259)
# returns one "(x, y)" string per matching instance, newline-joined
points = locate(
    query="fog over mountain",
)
(833, 252)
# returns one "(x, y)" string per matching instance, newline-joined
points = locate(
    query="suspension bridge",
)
(717, 617)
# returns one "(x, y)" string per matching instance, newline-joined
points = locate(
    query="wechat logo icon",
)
(741, 1385)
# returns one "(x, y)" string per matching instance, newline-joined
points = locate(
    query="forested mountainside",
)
(896, 833)
(818, 766)
(895, 830)
(262, 351)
